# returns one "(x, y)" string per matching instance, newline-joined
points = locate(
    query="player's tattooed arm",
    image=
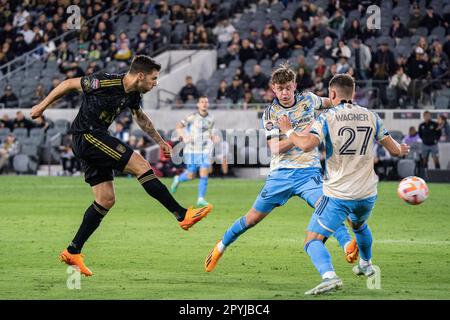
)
(61, 90)
(146, 125)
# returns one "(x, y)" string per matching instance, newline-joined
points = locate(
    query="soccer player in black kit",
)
(104, 97)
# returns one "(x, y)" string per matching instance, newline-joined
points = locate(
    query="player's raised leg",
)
(240, 226)
(138, 166)
(185, 176)
(104, 201)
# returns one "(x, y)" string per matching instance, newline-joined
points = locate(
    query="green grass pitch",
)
(139, 251)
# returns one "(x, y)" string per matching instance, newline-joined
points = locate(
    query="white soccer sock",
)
(329, 275)
(221, 246)
(364, 263)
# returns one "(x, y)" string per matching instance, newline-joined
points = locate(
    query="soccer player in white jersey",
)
(350, 183)
(293, 172)
(196, 132)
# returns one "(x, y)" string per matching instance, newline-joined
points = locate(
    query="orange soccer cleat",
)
(75, 260)
(212, 258)
(351, 252)
(194, 215)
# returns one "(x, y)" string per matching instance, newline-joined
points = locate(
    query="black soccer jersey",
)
(104, 98)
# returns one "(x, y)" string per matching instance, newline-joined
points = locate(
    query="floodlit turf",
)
(140, 252)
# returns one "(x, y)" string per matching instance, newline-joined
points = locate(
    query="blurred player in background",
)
(350, 183)
(104, 97)
(196, 132)
(293, 172)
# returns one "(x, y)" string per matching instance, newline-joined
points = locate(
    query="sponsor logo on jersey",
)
(95, 84)
(121, 148)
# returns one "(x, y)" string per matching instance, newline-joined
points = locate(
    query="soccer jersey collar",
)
(296, 99)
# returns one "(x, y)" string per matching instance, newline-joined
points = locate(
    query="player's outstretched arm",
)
(61, 90)
(394, 148)
(146, 125)
(305, 141)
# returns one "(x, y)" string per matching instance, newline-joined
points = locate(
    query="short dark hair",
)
(144, 64)
(344, 83)
(283, 74)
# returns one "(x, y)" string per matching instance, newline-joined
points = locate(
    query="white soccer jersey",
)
(199, 128)
(349, 133)
(300, 115)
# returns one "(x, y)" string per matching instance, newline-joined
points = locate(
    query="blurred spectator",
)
(69, 162)
(431, 19)
(326, 50)
(39, 94)
(21, 122)
(8, 149)
(355, 31)
(337, 22)
(318, 88)
(304, 80)
(224, 31)
(385, 59)
(248, 99)
(9, 98)
(124, 53)
(444, 126)
(363, 58)
(258, 79)
(222, 91)
(439, 61)
(43, 123)
(415, 19)
(380, 81)
(342, 50)
(261, 52)
(382, 161)
(6, 122)
(412, 136)
(189, 92)
(398, 30)
(94, 52)
(121, 133)
(343, 66)
(320, 69)
(246, 52)
(400, 82)
(430, 133)
(235, 92)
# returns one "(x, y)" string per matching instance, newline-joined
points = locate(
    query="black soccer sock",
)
(92, 218)
(157, 190)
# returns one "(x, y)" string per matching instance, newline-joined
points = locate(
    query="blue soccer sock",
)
(320, 257)
(342, 235)
(364, 241)
(202, 187)
(183, 177)
(238, 228)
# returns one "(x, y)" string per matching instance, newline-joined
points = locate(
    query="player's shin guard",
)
(91, 220)
(202, 187)
(320, 256)
(364, 240)
(157, 190)
(342, 236)
(238, 228)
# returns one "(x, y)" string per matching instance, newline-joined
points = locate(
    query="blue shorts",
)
(282, 184)
(331, 213)
(194, 161)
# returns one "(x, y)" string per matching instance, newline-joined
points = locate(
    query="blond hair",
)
(283, 74)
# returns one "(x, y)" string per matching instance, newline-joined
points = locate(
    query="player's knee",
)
(107, 201)
(190, 175)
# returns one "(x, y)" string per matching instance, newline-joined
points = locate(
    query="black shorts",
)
(100, 154)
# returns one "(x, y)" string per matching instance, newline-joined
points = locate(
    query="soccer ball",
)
(413, 190)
